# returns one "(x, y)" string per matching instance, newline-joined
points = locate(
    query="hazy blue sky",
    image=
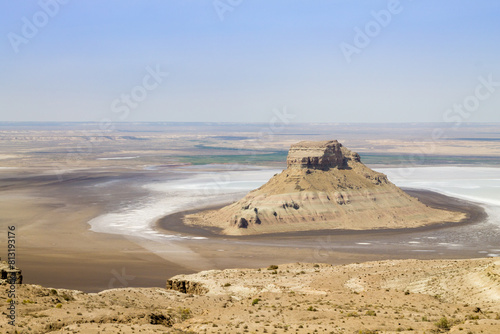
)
(237, 60)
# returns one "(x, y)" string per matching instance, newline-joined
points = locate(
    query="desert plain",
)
(56, 178)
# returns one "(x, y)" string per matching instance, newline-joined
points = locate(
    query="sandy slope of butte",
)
(325, 186)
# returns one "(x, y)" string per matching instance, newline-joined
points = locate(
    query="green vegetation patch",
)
(234, 159)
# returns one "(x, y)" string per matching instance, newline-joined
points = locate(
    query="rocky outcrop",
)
(10, 275)
(161, 319)
(325, 186)
(188, 287)
(321, 155)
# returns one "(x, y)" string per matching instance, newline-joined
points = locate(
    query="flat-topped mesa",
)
(325, 187)
(321, 155)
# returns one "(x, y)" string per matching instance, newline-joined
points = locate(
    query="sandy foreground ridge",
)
(396, 296)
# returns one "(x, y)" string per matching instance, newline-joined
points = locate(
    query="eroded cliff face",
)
(10, 275)
(325, 186)
(321, 155)
(185, 286)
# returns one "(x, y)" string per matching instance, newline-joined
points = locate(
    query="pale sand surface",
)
(56, 248)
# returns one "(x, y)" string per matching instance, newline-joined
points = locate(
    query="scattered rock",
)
(187, 287)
